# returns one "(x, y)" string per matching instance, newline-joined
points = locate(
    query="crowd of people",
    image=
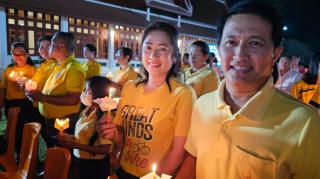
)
(192, 118)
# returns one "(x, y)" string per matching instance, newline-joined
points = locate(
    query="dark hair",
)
(47, 37)
(275, 73)
(92, 49)
(98, 86)
(126, 52)
(66, 38)
(172, 34)
(204, 46)
(24, 47)
(260, 9)
(312, 75)
(186, 55)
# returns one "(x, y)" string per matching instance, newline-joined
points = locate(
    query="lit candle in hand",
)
(154, 169)
(112, 91)
(13, 76)
(30, 85)
(61, 124)
(110, 75)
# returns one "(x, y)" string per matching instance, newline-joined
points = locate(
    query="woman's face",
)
(44, 49)
(157, 54)
(87, 53)
(19, 56)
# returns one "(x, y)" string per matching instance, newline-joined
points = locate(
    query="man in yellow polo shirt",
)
(60, 97)
(247, 128)
(125, 72)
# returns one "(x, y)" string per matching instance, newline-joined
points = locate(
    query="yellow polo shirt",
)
(271, 133)
(84, 130)
(150, 121)
(91, 68)
(12, 90)
(124, 75)
(66, 77)
(43, 72)
(303, 91)
(203, 81)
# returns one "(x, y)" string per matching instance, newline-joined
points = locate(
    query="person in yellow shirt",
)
(60, 97)
(308, 88)
(125, 72)
(11, 93)
(200, 76)
(90, 150)
(153, 115)
(248, 128)
(90, 66)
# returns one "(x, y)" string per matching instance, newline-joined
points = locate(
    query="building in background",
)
(108, 24)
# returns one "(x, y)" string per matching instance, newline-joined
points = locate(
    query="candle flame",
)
(154, 167)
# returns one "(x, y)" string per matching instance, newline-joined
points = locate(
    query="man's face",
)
(246, 51)
(197, 58)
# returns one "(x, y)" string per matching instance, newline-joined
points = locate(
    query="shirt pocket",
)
(251, 165)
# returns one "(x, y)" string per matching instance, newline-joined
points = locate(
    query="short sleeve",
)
(183, 112)
(190, 143)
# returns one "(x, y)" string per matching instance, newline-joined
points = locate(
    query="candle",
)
(110, 75)
(30, 85)
(154, 168)
(12, 75)
(61, 124)
(112, 91)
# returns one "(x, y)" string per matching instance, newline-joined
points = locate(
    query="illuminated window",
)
(71, 29)
(128, 29)
(21, 22)
(11, 11)
(56, 18)
(92, 23)
(31, 39)
(48, 17)
(92, 32)
(48, 26)
(86, 31)
(127, 36)
(30, 24)
(121, 27)
(78, 21)
(104, 25)
(85, 23)
(71, 20)
(30, 14)
(116, 27)
(79, 30)
(39, 25)
(21, 13)
(137, 30)
(11, 21)
(39, 16)
(132, 37)
(56, 27)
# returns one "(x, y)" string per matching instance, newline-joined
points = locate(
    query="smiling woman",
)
(153, 117)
